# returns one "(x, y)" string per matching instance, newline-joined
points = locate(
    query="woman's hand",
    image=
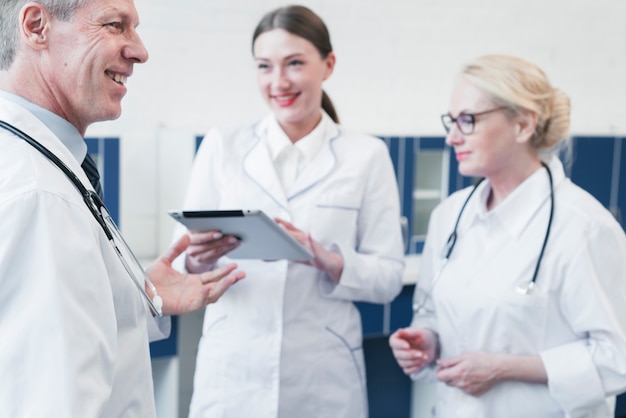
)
(183, 293)
(327, 261)
(414, 348)
(206, 248)
(477, 373)
(474, 373)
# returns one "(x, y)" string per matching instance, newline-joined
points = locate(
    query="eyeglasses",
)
(124, 253)
(465, 121)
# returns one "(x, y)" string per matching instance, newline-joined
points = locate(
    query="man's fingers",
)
(216, 290)
(217, 274)
(175, 250)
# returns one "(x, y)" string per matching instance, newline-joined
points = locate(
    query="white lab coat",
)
(286, 341)
(72, 324)
(576, 322)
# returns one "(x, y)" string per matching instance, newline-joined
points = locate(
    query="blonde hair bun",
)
(520, 85)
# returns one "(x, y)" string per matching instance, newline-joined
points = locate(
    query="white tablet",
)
(261, 237)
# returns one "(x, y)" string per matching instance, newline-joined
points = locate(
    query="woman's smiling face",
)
(290, 76)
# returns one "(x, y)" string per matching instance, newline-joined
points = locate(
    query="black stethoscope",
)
(525, 289)
(102, 216)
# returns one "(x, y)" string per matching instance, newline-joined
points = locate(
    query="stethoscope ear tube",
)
(91, 199)
(533, 281)
(95, 205)
(531, 286)
(453, 236)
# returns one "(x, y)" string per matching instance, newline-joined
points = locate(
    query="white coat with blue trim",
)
(287, 341)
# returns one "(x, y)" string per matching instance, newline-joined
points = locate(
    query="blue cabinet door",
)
(592, 166)
(619, 175)
(106, 154)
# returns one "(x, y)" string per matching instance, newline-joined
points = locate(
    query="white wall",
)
(396, 63)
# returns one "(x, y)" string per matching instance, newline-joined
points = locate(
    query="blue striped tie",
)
(89, 166)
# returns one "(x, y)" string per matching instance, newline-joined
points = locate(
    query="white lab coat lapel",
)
(321, 166)
(258, 164)
(28, 123)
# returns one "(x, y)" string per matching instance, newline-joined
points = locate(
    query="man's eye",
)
(115, 25)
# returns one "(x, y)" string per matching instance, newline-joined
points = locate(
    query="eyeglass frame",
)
(102, 216)
(447, 120)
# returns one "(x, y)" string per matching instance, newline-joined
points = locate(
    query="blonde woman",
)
(519, 311)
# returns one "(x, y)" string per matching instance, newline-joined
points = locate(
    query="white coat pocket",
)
(336, 219)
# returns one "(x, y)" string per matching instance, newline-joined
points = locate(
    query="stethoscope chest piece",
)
(529, 288)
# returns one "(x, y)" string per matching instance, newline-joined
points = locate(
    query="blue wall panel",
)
(372, 318)
(394, 152)
(592, 166)
(402, 309)
(388, 388)
(111, 177)
(107, 151)
(621, 179)
(167, 347)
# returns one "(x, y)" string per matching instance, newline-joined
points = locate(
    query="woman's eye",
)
(295, 63)
(467, 120)
(262, 66)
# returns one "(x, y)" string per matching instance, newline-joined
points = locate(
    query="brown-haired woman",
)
(288, 342)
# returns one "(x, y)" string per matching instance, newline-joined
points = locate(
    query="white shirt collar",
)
(517, 210)
(307, 146)
(65, 131)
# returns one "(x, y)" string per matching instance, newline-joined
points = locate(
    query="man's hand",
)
(184, 293)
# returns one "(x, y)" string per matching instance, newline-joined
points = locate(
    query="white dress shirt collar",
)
(519, 207)
(61, 128)
(308, 146)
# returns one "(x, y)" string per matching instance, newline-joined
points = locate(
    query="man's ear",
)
(526, 123)
(34, 21)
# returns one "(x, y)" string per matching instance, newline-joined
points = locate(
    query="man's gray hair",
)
(9, 14)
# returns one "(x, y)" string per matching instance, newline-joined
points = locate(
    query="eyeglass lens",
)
(465, 123)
